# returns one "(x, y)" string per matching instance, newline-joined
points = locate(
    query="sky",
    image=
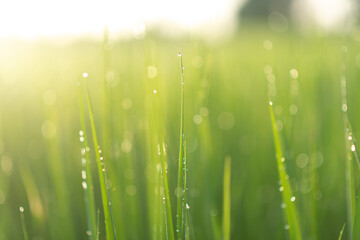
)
(44, 18)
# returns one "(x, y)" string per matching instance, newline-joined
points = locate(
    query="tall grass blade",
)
(341, 232)
(181, 187)
(227, 200)
(164, 209)
(23, 224)
(86, 172)
(216, 227)
(109, 225)
(291, 214)
(349, 151)
(166, 196)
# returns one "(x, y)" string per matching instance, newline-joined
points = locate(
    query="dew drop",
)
(353, 148)
(271, 103)
(21, 209)
(83, 174)
(179, 54)
(292, 199)
(344, 107)
(85, 75)
(88, 233)
(187, 206)
(84, 185)
(294, 73)
(281, 188)
(286, 227)
(155, 91)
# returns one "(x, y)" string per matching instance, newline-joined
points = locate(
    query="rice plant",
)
(182, 205)
(106, 203)
(292, 220)
(86, 171)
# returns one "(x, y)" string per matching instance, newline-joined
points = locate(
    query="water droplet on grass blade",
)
(292, 199)
(21, 209)
(344, 107)
(83, 174)
(353, 148)
(294, 73)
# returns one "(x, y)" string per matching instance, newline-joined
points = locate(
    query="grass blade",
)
(86, 172)
(341, 232)
(181, 187)
(352, 207)
(23, 224)
(293, 224)
(109, 225)
(227, 199)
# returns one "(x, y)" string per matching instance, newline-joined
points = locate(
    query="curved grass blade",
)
(86, 172)
(109, 225)
(181, 187)
(227, 200)
(292, 218)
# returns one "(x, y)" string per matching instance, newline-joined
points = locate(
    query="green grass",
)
(222, 112)
(352, 164)
(23, 224)
(86, 172)
(181, 216)
(106, 203)
(292, 223)
(341, 232)
(226, 223)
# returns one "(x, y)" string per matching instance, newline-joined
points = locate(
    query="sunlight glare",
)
(53, 18)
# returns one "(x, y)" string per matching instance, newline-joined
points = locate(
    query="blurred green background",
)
(226, 115)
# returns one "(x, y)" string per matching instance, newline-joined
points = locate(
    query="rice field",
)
(253, 137)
